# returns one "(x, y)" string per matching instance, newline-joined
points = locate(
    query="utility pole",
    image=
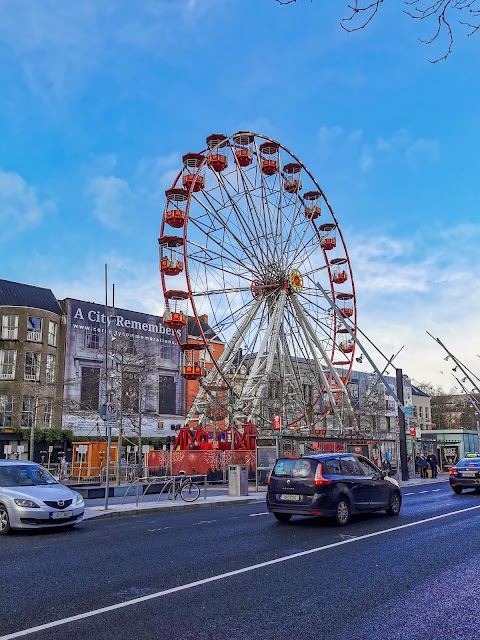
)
(401, 426)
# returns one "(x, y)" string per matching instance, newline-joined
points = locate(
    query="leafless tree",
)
(442, 14)
(133, 378)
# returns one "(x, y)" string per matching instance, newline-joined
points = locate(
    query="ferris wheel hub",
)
(296, 280)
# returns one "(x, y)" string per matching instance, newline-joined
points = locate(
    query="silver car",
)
(31, 498)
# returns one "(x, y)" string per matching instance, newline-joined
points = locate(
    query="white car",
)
(31, 498)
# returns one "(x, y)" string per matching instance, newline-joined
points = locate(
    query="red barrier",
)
(201, 462)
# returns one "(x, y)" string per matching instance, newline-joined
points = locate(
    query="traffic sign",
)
(112, 412)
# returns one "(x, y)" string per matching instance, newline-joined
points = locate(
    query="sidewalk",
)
(96, 508)
(152, 505)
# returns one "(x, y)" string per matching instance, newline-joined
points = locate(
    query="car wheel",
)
(4, 521)
(282, 517)
(342, 512)
(395, 504)
(457, 489)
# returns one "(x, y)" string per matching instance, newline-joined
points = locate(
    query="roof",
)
(195, 333)
(419, 392)
(15, 294)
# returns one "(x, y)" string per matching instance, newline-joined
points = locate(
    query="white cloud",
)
(137, 283)
(20, 206)
(57, 45)
(113, 201)
(117, 200)
(399, 145)
(403, 292)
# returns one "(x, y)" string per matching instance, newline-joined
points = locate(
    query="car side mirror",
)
(383, 474)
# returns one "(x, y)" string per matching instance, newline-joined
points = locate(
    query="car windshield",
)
(294, 468)
(28, 475)
(469, 462)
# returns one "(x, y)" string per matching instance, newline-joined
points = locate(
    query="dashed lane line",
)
(264, 513)
(223, 576)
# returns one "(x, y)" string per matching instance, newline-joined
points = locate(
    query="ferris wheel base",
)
(199, 439)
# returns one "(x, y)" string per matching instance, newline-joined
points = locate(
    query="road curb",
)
(156, 509)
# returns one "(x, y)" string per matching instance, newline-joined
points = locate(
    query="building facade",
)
(31, 365)
(127, 357)
(422, 413)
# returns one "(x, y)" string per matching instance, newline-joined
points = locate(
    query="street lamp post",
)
(401, 426)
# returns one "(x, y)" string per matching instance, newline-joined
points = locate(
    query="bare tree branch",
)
(440, 12)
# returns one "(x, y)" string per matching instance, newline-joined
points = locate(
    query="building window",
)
(8, 360)
(205, 357)
(28, 411)
(92, 339)
(426, 413)
(130, 392)
(352, 388)
(307, 393)
(166, 351)
(52, 333)
(47, 412)
(167, 395)
(131, 346)
(414, 412)
(9, 327)
(34, 329)
(6, 410)
(420, 412)
(50, 370)
(32, 366)
(90, 389)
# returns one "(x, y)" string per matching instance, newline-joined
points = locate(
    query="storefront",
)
(450, 445)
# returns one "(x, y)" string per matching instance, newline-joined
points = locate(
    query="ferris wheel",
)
(249, 246)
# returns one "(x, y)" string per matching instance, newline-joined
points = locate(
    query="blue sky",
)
(100, 99)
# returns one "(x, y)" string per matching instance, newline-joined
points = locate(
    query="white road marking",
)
(433, 490)
(222, 576)
(264, 513)
(203, 522)
(409, 494)
(423, 492)
(160, 529)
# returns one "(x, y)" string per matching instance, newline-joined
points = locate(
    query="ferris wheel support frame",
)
(357, 342)
(272, 333)
(229, 350)
(313, 341)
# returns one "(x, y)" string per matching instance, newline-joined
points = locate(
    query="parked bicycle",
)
(186, 488)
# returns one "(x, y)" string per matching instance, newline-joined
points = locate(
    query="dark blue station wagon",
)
(333, 485)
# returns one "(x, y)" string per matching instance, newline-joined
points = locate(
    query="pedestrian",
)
(422, 464)
(63, 468)
(432, 463)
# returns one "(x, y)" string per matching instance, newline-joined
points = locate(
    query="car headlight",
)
(26, 503)
(79, 499)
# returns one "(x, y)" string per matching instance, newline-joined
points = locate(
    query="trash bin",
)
(237, 480)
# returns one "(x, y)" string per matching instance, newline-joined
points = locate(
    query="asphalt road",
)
(411, 577)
